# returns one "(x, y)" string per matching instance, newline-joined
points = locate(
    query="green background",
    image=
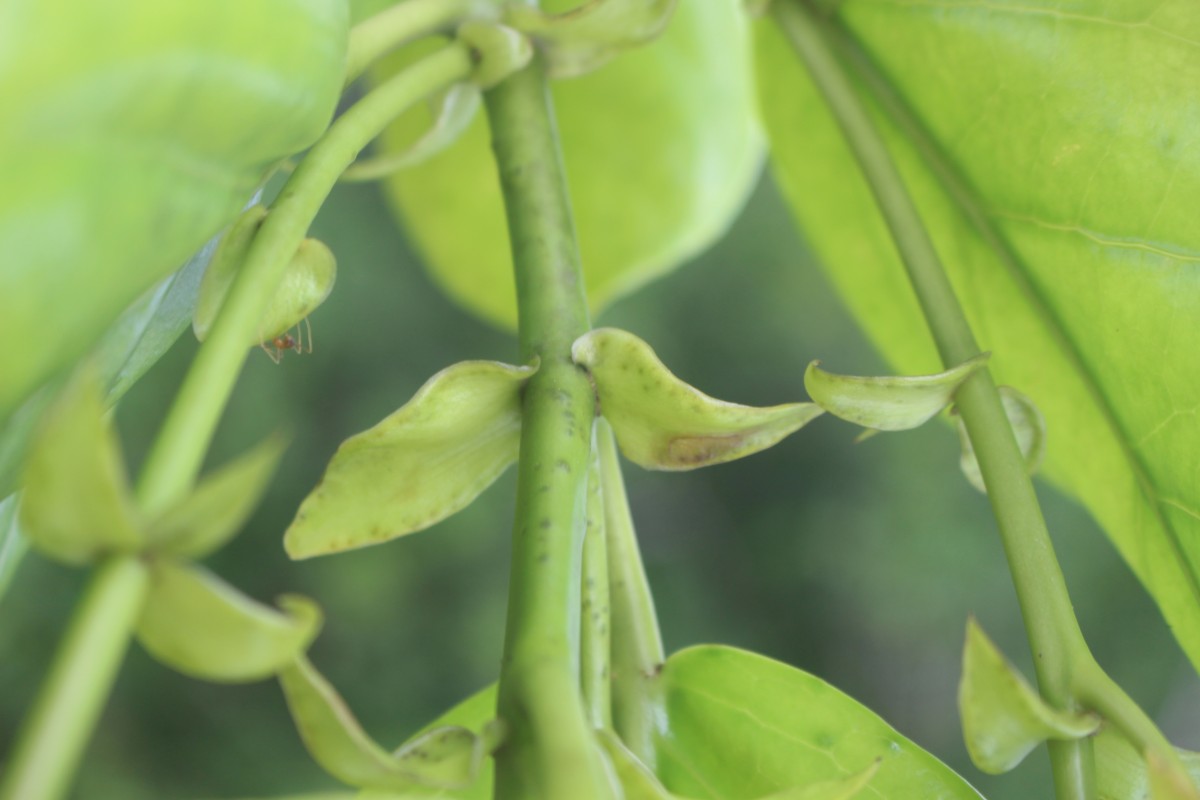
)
(859, 563)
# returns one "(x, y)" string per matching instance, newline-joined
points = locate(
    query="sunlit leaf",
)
(126, 146)
(1045, 151)
(891, 403)
(677, 113)
(739, 726)
(1121, 772)
(837, 789)
(199, 625)
(662, 422)
(219, 506)
(1029, 426)
(418, 466)
(76, 506)
(1003, 717)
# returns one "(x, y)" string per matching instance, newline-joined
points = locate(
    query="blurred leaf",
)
(1003, 717)
(1047, 155)
(661, 148)
(444, 757)
(76, 505)
(1121, 772)
(740, 726)
(199, 625)
(662, 422)
(12, 543)
(1167, 782)
(224, 266)
(126, 146)
(1029, 426)
(218, 507)
(637, 780)
(418, 466)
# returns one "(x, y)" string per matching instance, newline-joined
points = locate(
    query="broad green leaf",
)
(836, 789)
(1003, 717)
(418, 466)
(132, 133)
(1045, 148)
(662, 422)
(661, 148)
(740, 726)
(442, 757)
(1121, 772)
(199, 625)
(76, 505)
(1029, 426)
(891, 403)
(218, 507)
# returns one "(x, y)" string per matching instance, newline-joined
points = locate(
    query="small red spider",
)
(285, 341)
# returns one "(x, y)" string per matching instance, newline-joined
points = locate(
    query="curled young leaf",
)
(584, 38)
(216, 509)
(891, 403)
(418, 466)
(199, 625)
(663, 423)
(77, 506)
(1003, 717)
(446, 756)
(499, 51)
(1029, 426)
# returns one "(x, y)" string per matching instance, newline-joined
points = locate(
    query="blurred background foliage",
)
(859, 563)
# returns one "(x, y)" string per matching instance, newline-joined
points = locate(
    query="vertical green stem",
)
(53, 736)
(1054, 635)
(551, 752)
(595, 644)
(637, 649)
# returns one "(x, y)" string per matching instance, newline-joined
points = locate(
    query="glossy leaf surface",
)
(126, 146)
(1003, 717)
(199, 625)
(1045, 145)
(76, 505)
(663, 423)
(887, 403)
(1029, 426)
(418, 466)
(661, 147)
(741, 727)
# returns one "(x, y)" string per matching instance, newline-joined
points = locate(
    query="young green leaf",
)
(1029, 426)
(199, 625)
(887, 404)
(126, 146)
(418, 466)
(216, 509)
(1121, 771)
(836, 789)
(662, 422)
(737, 724)
(77, 506)
(678, 114)
(1077, 269)
(1003, 717)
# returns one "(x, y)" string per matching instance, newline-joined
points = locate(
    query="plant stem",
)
(551, 753)
(637, 649)
(1054, 634)
(594, 641)
(177, 453)
(54, 735)
(398, 25)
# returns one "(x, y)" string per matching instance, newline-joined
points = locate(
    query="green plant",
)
(1057, 232)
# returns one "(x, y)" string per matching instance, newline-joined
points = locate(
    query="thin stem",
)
(1050, 623)
(595, 645)
(637, 649)
(177, 453)
(54, 735)
(398, 25)
(551, 752)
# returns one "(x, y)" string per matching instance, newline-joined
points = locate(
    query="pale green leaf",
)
(889, 403)
(662, 422)
(1003, 717)
(133, 132)
(418, 466)
(76, 506)
(218, 507)
(199, 625)
(740, 726)
(1029, 427)
(836, 789)
(1047, 154)
(1168, 782)
(1121, 772)
(661, 148)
